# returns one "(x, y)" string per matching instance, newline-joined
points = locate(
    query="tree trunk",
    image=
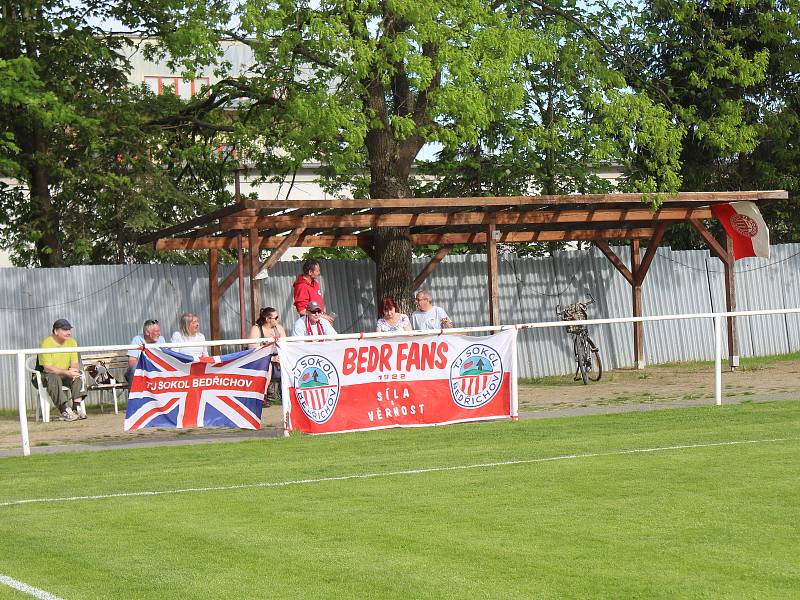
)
(48, 246)
(392, 250)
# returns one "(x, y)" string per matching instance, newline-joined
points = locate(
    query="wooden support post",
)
(255, 293)
(240, 275)
(432, 264)
(213, 295)
(615, 260)
(638, 330)
(286, 243)
(730, 303)
(492, 275)
(726, 256)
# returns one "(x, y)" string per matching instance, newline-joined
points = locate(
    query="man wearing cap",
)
(151, 334)
(62, 369)
(312, 322)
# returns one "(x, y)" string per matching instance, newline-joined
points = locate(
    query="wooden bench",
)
(113, 363)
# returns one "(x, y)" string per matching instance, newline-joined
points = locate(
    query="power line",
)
(706, 270)
(74, 300)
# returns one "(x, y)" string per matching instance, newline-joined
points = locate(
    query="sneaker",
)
(80, 410)
(68, 415)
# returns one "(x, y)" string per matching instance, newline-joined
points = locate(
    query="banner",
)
(352, 385)
(746, 226)
(170, 389)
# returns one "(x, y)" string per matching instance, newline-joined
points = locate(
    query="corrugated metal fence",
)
(107, 304)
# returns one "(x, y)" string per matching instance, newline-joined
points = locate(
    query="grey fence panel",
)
(677, 284)
(614, 299)
(107, 304)
(760, 286)
(787, 261)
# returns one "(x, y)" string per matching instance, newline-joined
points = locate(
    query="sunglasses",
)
(150, 322)
(316, 312)
(275, 317)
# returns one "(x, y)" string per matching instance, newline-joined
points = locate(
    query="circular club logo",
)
(316, 387)
(744, 225)
(475, 376)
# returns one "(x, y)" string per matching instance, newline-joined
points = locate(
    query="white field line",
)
(27, 589)
(276, 484)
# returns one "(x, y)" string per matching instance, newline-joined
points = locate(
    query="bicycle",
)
(587, 354)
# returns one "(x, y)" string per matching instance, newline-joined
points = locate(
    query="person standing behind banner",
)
(189, 331)
(267, 326)
(390, 319)
(427, 316)
(312, 322)
(151, 334)
(306, 289)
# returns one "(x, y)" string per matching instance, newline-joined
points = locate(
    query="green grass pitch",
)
(561, 508)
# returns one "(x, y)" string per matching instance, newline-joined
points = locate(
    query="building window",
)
(184, 88)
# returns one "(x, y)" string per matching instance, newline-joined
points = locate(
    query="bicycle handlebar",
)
(560, 310)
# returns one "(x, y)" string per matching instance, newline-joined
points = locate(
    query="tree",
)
(360, 85)
(93, 162)
(728, 72)
(578, 117)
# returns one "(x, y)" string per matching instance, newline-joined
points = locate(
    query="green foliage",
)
(727, 72)
(95, 160)
(578, 118)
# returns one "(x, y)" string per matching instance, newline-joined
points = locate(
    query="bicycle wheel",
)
(594, 364)
(581, 349)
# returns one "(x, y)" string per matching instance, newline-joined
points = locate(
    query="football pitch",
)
(685, 503)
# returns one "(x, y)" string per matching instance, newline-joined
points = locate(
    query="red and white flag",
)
(746, 226)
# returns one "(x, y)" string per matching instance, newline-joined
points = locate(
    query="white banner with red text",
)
(403, 381)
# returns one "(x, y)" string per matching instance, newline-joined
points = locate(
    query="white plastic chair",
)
(45, 401)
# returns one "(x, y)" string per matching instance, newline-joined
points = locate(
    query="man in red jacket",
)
(307, 289)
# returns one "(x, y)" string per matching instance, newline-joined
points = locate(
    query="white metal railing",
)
(717, 319)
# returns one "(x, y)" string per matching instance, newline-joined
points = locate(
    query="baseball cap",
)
(62, 324)
(313, 306)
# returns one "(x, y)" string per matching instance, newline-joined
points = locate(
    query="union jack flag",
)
(170, 389)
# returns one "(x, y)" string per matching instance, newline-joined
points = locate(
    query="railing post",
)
(718, 360)
(23, 409)
(514, 383)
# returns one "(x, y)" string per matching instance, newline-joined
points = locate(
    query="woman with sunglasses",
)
(267, 326)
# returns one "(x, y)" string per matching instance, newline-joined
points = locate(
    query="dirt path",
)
(623, 389)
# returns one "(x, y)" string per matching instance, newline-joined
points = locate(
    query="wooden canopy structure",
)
(278, 225)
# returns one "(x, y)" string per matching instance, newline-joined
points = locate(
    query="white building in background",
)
(161, 79)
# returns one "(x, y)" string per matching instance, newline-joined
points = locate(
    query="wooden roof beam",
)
(183, 227)
(419, 239)
(614, 215)
(702, 197)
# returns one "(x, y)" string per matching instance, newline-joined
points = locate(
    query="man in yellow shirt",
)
(63, 369)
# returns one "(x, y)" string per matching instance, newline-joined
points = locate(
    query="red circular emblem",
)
(744, 225)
